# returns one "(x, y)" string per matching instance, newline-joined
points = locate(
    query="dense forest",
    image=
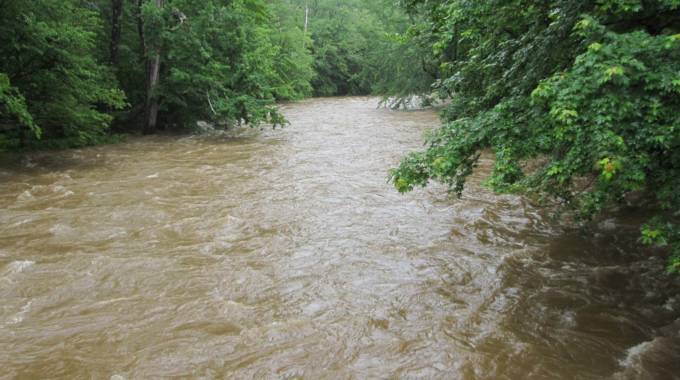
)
(578, 100)
(72, 71)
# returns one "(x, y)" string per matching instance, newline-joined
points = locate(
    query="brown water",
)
(285, 254)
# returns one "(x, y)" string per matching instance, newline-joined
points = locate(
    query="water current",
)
(286, 254)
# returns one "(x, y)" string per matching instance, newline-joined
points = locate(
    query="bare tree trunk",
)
(306, 22)
(151, 97)
(153, 77)
(116, 16)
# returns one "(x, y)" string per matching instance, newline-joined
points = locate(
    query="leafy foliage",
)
(362, 47)
(219, 65)
(219, 60)
(225, 63)
(51, 85)
(293, 63)
(588, 89)
(71, 69)
(14, 106)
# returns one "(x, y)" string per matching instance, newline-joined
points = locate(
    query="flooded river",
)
(285, 254)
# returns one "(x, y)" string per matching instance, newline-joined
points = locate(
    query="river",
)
(285, 254)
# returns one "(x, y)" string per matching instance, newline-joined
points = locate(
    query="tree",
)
(293, 64)
(218, 61)
(116, 29)
(73, 68)
(51, 85)
(587, 91)
(175, 62)
(352, 44)
(153, 65)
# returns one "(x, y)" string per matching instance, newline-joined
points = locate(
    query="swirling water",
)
(286, 254)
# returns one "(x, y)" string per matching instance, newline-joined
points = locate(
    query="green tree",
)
(218, 60)
(356, 47)
(293, 64)
(51, 85)
(588, 89)
(175, 62)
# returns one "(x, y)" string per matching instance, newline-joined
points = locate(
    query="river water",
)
(286, 254)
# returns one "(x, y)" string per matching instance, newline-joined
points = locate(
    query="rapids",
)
(286, 254)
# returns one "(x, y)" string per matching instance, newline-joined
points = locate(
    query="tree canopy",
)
(577, 100)
(51, 84)
(72, 69)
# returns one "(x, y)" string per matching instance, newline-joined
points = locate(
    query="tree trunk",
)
(116, 16)
(153, 77)
(152, 98)
(306, 22)
(140, 31)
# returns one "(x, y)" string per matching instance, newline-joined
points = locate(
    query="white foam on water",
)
(18, 266)
(634, 353)
(62, 190)
(21, 222)
(568, 320)
(29, 164)
(19, 317)
(26, 195)
(61, 230)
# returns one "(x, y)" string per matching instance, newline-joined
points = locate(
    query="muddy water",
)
(285, 254)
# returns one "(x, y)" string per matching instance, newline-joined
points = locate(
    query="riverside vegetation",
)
(74, 70)
(589, 90)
